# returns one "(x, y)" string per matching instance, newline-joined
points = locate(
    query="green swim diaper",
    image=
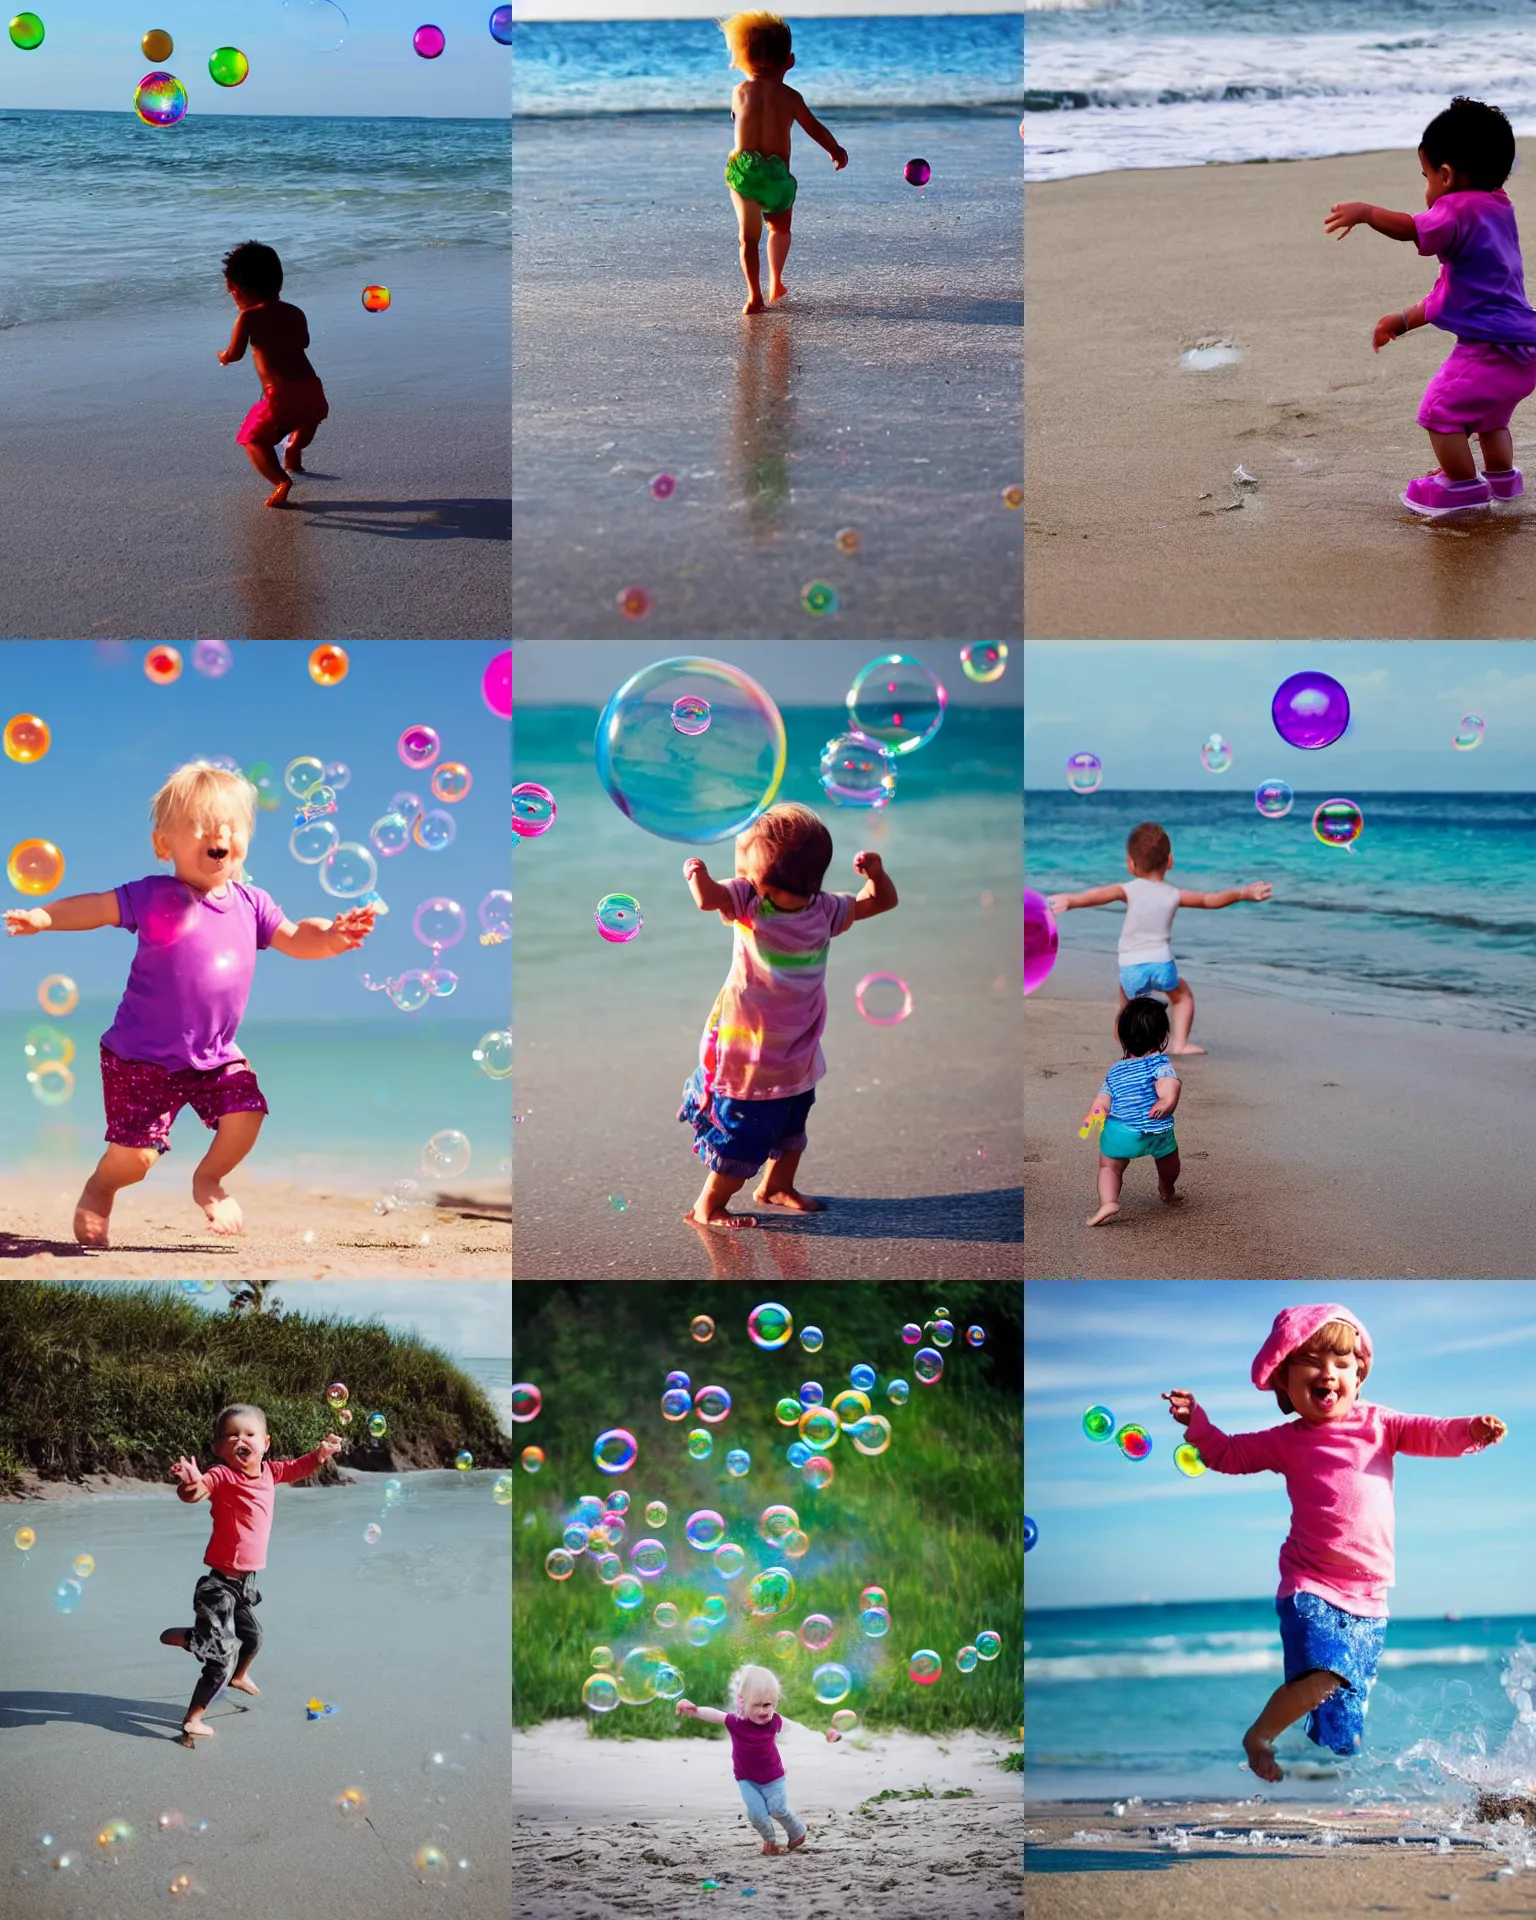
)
(762, 177)
(1120, 1142)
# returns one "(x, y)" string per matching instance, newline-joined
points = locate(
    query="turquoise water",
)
(1429, 916)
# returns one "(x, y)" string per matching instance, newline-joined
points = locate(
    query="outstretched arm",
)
(1360, 213)
(709, 896)
(879, 892)
(324, 939)
(80, 913)
(807, 120)
(1228, 897)
(1094, 897)
(711, 1714)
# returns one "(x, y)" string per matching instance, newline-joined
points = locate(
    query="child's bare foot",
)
(196, 1728)
(1169, 1198)
(1261, 1756)
(1186, 1049)
(720, 1219)
(278, 497)
(777, 291)
(244, 1685)
(293, 458)
(93, 1213)
(1106, 1212)
(798, 1843)
(790, 1197)
(755, 305)
(174, 1637)
(769, 1847)
(224, 1215)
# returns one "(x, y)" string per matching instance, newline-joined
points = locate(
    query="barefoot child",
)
(173, 1043)
(292, 402)
(1465, 156)
(1147, 964)
(760, 1057)
(766, 113)
(1135, 1108)
(754, 1728)
(241, 1494)
(1336, 1563)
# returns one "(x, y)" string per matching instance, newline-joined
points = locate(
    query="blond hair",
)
(798, 844)
(752, 1683)
(197, 788)
(758, 42)
(1334, 1336)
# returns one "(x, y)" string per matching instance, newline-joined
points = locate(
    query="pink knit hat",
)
(1292, 1330)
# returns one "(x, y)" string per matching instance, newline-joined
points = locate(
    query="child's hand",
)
(1260, 890)
(332, 1443)
(1059, 902)
(868, 864)
(20, 920)
(695, 869)
(687, 1706)
(1488, 1430)
(1388, 327)
(184, 1470)
(1347, 214)
(839, 158)
(350, 929)
(224, 357)
(1181, 1405)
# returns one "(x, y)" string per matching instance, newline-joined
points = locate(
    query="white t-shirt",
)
(1145, 935)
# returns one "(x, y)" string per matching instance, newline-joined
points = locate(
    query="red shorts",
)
(142, 1099)
(287, 406)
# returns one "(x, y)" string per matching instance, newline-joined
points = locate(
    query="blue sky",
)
(1114, 1532)
(1144, 707)
(466, 1319)
(91, 58)
(116, 737)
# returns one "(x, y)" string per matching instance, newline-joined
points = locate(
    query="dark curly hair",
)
(1471, 138)
(255, 269)
(1142, 1027)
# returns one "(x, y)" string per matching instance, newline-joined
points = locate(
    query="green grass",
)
(936, 1520)
(122, 1379)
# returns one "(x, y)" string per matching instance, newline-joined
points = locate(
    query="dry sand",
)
(1131, 455)
(1123, 1873)
(608, 1829)
(1313, 1144)
(156, 1234)
(131, 511)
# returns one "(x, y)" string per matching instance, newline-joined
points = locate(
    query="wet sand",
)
(1313, 1143)
(1131, 456)
(131, 511)
(884, 394)
(607, 1829)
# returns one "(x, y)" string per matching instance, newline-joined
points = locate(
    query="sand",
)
(407, 1638)
(157, 1235)
(606, 1829)
(130, 510)
(1131, 456)
(1314, 1143)
(882, 395)
(1123, 1871)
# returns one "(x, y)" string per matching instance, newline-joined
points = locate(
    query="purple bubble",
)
(1039, 940)
(1310, 710)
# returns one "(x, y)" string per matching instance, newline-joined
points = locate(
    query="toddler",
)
(1465, 156)
(760, 1057)
(172, 1043)
(1336, 1562)
(240, 1492)
(754, 1729)
(766, 113)
(1147, 964)
(1135, 1108)
(292, 402)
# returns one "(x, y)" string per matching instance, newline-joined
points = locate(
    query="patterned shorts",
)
(1316, 1635)
(143, 1099)
(223, 1623)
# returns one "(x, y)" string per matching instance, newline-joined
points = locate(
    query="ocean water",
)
(1429, 916)
(1184, 83)
(681, 66)
(1154, 1700)
(495, 1377)
(104, 213)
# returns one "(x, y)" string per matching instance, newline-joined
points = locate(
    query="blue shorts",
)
(736, 1136)
(1316, 1635)
(1149, 976)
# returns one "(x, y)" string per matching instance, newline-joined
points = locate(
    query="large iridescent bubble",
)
(897, 701)
(1310, 710)
(1040, 940)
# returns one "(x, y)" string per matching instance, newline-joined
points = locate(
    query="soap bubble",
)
(988, 1644)
(35, 867)
(496, 685)
(633, 602)
(1085, 772)
(447, 1153)
(451, 781)
(898, 1392)
(691, 788)
(66, 1596)
(418, 747)
(712, 1404)
(700, 1444)
(787, 1412)
(439, 923)
(965, 1659)
(24, 1538)
(157, 46)
(618, 918)
(771, 1593)
(818, 1471)
(615, 1450)
(663, 486)
(690, 714)
(372, 1535)
(924, 1667)
(928, 1365)
(676, 1403)
(697, 1630)
(917, 173)
(411, 991)
(847, 540)
(1187, 1460)
(430, 1863)
(818, 597)
(495, 912)
(975, 1336)
(327, 665)
(785, 1643)
(943, 1333)
(816, 1632)
(665, 1615)
(58, 995)
(1133, 1441)
(26, 32)
(1098, 1423)
(609, 1568)
(1469, 732)
(811, 1339)
(589, 1509)
(501, 1489)
(795, 1543)
(1310, 710)
(1338, 823)
(600, 1693)
(26, 738)
(492, 1054)
(844, 1720)
(797, 1453)
(898, 702)
(862, 1377)
(831, 1682)
(533, 810)
(464, 1460)
(162, 665)
(851, 1404)
(312, 843)
(648, 1558)
(1273, 798)
(1040, 940)
(871, 1435)
(857, 771)
(1031, 1533)
(874, 1622)
(729, 1560)
(874, 1597)
(617, 1502)
(531, 1459)
(705, 1530)
(434, 830)
(336, 1395)
(375, 298)
(348, 871)
(317, 25)
(656, 1513)
(911, 1334)
(378, 1426)
(819, 1427)
(390, 834)
(702, 1328)
(984, 661)
(677, 1378)
(429, 42)
(558, 1564)
(770, 1325)
(776, 1521)
(52, 1083)
(1215, 754)
(160, 100)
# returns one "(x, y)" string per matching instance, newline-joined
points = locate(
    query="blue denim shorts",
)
(736, 1136)
(1315, 1634)
(1149, 976)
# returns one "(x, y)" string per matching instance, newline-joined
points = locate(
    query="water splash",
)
(1490, 1786)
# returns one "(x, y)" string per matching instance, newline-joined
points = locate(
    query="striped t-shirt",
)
(764, 1031)
(1132, 1095)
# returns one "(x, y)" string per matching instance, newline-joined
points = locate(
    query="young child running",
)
(225, 1634)
(292, 402)
(173, 1041)
(760, 1056)
(1135, 1108)
(1336, 1563)
(1465, 156)
(754, 1729)
(1147, 964)
(766, 113)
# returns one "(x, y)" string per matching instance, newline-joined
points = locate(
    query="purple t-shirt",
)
(1480, 294)
(191, 975)
(754, 1749)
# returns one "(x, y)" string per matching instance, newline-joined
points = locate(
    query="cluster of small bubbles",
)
(702, 1328)
(898, 1392)
(700, 1444)
(928, 1365)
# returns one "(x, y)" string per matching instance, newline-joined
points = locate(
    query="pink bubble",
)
(1039, 940)
(419, 747)
(429, 41)
(496, 687)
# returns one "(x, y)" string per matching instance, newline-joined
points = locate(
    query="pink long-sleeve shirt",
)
(242, 1510)
(1339, 1477)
